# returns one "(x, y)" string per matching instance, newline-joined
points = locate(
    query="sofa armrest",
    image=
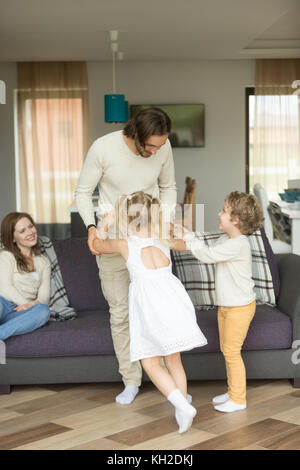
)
(289, 296)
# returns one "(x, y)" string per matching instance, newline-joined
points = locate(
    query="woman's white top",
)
(22, 288)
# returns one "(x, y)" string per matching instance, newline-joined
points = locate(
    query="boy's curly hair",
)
(248, 210)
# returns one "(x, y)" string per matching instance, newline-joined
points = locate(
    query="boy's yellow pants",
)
(233, 325)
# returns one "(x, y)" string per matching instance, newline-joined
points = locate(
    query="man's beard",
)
(141, 149)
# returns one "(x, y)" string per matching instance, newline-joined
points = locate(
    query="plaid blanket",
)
(59, 304)
(199, 279)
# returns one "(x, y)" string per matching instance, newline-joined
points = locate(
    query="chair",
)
(277, 245)
(188, 213)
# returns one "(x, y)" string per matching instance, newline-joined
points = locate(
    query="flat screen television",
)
(187, 122)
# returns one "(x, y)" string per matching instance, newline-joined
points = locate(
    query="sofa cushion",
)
(269, 329)
(89, 334)
(199, 278)
(80, 274)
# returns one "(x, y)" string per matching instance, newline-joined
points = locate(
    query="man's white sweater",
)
(112, 166)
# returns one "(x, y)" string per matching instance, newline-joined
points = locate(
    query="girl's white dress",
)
(162, 318)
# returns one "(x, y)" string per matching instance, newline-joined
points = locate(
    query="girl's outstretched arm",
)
(178, 243)
(103, 245)
(110, 246)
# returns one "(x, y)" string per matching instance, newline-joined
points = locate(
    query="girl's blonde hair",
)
(138, 211)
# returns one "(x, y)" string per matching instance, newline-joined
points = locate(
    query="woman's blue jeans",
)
(17, 323)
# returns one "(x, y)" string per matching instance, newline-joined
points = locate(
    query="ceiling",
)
(152, 30)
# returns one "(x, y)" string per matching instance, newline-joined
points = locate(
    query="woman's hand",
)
(25, 306)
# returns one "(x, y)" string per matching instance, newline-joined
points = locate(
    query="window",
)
(272, 148)
(58, 135)
(51, 130)
(52, 138)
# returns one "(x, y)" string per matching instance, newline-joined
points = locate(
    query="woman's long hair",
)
(7, 236)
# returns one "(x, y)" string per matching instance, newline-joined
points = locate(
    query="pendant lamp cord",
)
(114, 73)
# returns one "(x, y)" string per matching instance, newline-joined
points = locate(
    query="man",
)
(139, 158)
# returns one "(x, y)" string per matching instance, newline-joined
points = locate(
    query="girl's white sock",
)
(184, 412)
(128, 395)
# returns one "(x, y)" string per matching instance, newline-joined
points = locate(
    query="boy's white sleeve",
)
(226, 251)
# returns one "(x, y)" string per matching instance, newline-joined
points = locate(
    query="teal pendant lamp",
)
(126, 111)
(116, 108)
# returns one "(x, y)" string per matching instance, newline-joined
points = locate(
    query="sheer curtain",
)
(53, 137)
(276, 150)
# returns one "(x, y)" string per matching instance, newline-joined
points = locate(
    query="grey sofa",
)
(81, 350)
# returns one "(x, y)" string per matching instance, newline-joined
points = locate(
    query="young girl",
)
(240, 217)
(162, 318)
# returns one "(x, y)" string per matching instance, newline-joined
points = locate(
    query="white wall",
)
(219, 167)
(8, 73)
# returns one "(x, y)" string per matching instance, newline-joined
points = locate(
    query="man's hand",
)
(92, 235)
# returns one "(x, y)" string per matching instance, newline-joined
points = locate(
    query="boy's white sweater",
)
(233, 275)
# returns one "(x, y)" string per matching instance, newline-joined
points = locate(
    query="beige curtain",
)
(275, 133)
(53, 136)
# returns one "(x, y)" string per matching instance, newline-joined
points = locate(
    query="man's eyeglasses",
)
(157, 147)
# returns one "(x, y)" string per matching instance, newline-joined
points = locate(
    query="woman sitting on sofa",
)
(24, 277)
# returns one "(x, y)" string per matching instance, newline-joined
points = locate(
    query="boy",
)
(240, 217)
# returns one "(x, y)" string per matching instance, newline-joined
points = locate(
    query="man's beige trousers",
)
(115, 282)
